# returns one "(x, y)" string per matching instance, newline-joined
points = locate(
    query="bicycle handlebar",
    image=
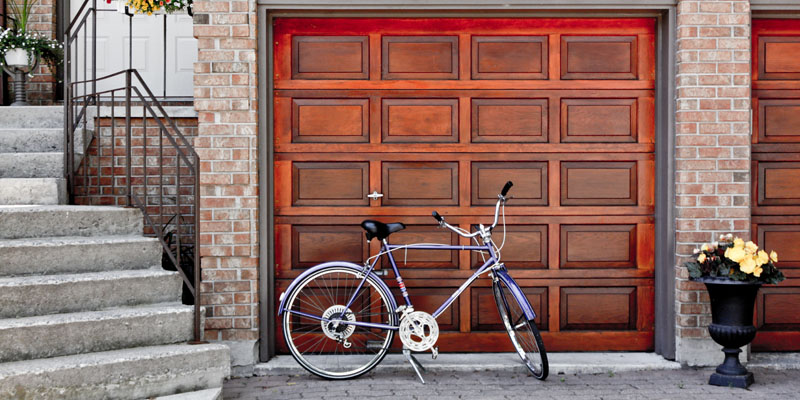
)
(501, 198)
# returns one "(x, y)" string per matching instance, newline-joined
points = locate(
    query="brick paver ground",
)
(675, 384)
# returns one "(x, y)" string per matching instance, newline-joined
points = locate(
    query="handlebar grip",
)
(437, 216)
(508, 186)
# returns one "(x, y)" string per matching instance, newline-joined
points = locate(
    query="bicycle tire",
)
(523, 333)
(316, 357)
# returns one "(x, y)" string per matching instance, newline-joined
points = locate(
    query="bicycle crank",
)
(419, 331)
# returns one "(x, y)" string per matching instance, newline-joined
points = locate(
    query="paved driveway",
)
(665, 384)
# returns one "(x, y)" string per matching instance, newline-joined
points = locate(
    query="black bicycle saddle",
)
(375, 229)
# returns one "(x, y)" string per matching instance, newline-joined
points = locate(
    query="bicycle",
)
(342, 335)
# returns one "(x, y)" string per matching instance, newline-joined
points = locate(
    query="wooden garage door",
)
(439, 114)
(776, 176)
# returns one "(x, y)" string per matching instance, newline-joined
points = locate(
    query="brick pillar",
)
(225, 92)
(713, 152)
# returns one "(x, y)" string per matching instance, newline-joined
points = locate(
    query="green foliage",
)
(21, 12)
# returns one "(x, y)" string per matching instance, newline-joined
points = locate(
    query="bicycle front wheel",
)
(523, 332)
(323, 345)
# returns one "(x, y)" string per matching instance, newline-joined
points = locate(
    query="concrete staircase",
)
(86, 311)
(32, 155)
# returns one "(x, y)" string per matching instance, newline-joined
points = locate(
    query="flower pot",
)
(17, 58)
(732, 304)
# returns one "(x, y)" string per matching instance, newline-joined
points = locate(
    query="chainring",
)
(419, 331)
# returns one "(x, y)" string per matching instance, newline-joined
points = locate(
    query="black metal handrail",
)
(156, 170)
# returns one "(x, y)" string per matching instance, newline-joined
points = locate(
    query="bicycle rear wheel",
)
(335, 350)
(523, 332)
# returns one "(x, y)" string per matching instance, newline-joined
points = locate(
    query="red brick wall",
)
(41, 87)
(226, 101)
(713, 148)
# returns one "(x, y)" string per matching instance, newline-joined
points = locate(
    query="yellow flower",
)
(757, 272)
(773, 256)
(751, 247)
(748, 265)
(735, 254)
(706, 247)
(762, 258)
(701, 258)
(738, 242)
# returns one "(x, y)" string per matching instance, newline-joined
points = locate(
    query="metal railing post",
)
(128, 127)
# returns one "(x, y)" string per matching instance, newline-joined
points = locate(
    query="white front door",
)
(113, 49)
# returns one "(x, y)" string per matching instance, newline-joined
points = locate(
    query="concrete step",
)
(45, 221)
(32, 191)
(42, 140)
(29, 117)
(31, 165)
(137, 373)
(76, 254)
(86, 332)
(28, 296)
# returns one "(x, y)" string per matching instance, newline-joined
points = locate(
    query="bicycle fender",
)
(517, 293)
(316, 268)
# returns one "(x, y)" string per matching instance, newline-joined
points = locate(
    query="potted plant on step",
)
(21, 50)
(733, 271)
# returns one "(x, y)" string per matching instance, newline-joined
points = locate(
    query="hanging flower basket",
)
(150, 7)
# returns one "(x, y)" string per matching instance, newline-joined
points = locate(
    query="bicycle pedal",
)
(434, 352)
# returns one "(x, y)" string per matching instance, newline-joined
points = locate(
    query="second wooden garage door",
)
(438, 114)
(776, 176)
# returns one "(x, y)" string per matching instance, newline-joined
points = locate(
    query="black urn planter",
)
(732, 304)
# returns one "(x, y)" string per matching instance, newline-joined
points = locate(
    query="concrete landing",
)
(560, 363)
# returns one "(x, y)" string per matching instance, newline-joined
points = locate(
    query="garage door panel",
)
(778, 57)
(530, 182)
(315, 244)
(776, 308)
(330, 184)
(782, 239)
(509, 57)
(509, 120)
(598, 246)
(599, 57)
(778, 120)
(598, 183)
(485, 316)
(526, 247)
(598, 120)
(419, 57)
(330, 120)
(407, 259)
(330, 57)
(777, 183)
(419, 120)
(598, 308)
(420, 184)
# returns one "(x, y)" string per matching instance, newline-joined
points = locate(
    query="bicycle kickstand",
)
(414, 363)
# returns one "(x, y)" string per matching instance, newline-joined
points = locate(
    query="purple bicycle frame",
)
(388, 248)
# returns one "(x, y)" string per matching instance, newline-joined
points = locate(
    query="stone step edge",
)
(108, 314)
(139, 372)
(57, 241)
